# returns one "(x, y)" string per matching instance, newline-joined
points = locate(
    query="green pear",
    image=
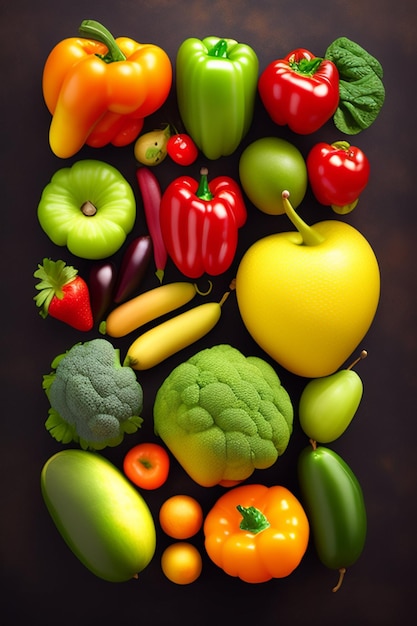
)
(328, 404)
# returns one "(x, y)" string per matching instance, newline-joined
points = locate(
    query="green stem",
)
(341, 145)
(345, 209)
(253, 519)
(94, 30)
(306, 67)
(309, 235)
(219, 50)
(203, 191)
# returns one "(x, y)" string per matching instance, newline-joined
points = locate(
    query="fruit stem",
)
(91, 29)
(224, 298)
(88, 209)
(253, 519)
(362, 355)
(309, 235)
(203, 192)
(203, 293)
(342, 573)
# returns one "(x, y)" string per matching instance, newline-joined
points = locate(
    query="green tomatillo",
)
(88, 207)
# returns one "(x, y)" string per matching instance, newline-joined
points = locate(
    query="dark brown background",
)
(42, 582)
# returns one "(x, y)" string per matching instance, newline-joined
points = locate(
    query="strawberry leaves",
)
(63, 294)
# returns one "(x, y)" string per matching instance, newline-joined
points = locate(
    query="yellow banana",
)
(146, 307)
(168, 338)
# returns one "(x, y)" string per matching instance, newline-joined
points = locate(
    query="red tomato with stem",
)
(338, 173)
(182, 149)
(147, 465)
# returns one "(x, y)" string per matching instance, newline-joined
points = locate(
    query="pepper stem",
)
(341, 145)
(203, 191)
(306, 67)
(219, 49)
(98, 32)
(253, 519)
(309, 235)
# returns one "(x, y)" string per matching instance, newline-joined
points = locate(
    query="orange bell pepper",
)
(99, 89)
(257, 533)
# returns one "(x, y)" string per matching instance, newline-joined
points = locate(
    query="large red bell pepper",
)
(300, 90)
(200, 222)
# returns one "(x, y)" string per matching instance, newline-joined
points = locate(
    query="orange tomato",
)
(181, 516)
(147, 465)
(181, 563)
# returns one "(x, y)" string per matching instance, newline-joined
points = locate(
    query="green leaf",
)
(361, 90)
(131, 425)
(47, 381)
(59, 429)
(53, 275)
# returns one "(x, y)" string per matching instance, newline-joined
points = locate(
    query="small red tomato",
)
(182, 149)
(147, 465)
(338, 173)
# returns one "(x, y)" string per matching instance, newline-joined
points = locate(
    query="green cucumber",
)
(334, 503)
(101, 516)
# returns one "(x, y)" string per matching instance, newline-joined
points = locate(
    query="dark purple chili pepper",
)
(101, 283)
(132, 270)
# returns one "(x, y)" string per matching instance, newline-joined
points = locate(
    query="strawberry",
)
(63, 294)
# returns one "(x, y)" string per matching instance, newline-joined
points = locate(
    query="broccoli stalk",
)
(94, 399)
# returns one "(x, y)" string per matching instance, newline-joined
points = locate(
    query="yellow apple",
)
(309, 296)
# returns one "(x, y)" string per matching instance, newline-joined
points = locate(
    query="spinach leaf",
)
(361, 90)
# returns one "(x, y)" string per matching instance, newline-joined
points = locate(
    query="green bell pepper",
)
(216, 82)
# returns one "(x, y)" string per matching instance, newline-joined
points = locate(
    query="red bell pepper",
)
(338, 173)
(300, 90)
(200, 222)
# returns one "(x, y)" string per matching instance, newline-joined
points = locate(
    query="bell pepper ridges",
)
(300, 90)
(216, 84)
(200, 222)
(98, 89)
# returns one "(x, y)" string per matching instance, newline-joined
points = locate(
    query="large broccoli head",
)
(223, 415)
(94, 399)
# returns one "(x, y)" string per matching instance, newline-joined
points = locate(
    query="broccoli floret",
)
(223, 415)
(94, 399)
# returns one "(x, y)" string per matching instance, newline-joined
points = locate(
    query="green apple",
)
(328, 404)
(267, 167)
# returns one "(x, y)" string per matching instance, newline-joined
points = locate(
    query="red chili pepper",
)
(200, 222)
(151, 197)
(338, 173)
(300, 90)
